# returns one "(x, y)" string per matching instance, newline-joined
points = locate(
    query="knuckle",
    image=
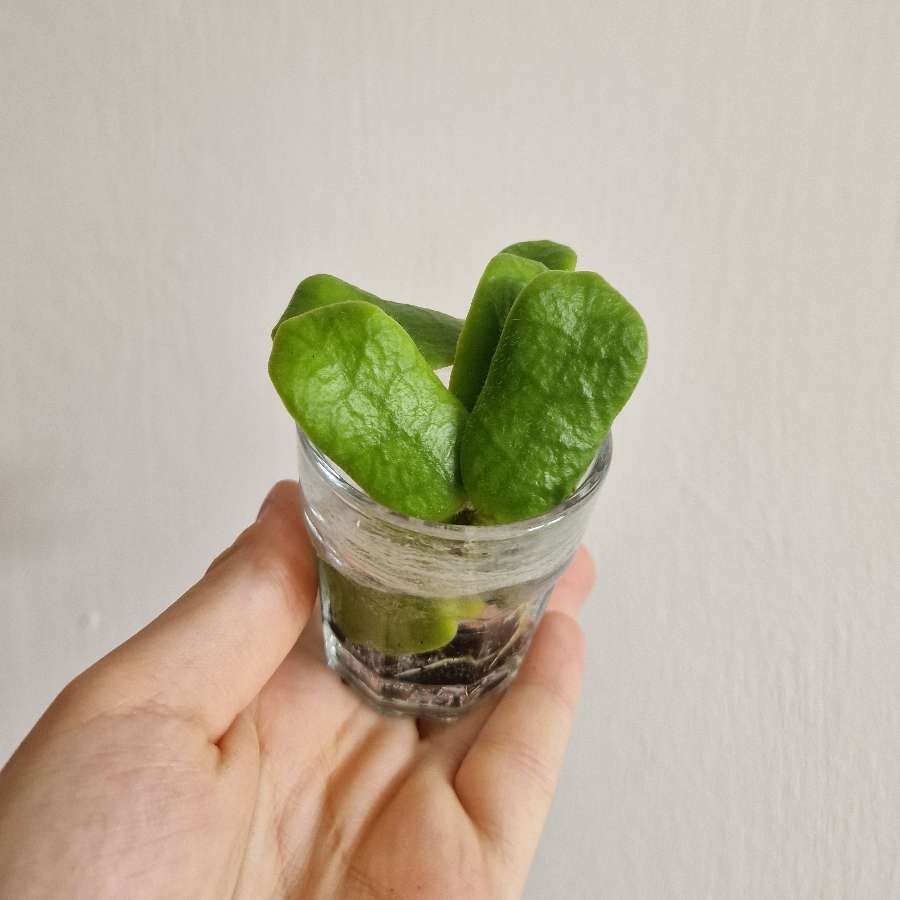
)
(527, 764)
(273, 570)
(71, 696)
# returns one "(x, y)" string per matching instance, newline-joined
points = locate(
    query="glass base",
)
(422, 689)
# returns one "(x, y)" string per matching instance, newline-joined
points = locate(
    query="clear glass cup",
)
(423, 618)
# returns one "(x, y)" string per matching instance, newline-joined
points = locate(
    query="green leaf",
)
(359, 387)
(569, 357)
(551, 254)
(503, 279)
(395, 624)
(435, 333)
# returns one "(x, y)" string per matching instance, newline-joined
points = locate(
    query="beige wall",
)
(170, 170)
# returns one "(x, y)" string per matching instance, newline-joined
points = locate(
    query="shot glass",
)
(422, 618)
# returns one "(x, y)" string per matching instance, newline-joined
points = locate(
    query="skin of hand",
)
(215, 755)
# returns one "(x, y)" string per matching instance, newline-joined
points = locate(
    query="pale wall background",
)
(169, 172)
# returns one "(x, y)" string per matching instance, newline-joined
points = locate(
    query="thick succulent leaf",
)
(396, 624)
(503, 279)
(359, 387)
(551, 254)
(435, 333)
(570, 354)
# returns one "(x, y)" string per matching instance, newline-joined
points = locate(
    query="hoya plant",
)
(543, 363)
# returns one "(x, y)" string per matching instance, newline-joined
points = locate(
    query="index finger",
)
(207, 656)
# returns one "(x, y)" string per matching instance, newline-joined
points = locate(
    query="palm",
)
(372, 807)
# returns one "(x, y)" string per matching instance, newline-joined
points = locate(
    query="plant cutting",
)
(442, 516)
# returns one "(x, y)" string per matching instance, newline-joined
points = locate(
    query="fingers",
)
(450, 742)
(207, 656)
(574, 585)
(508, 777)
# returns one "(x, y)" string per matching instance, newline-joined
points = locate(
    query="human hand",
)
(215, 755)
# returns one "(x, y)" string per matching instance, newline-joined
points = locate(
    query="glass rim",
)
(363, 503)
